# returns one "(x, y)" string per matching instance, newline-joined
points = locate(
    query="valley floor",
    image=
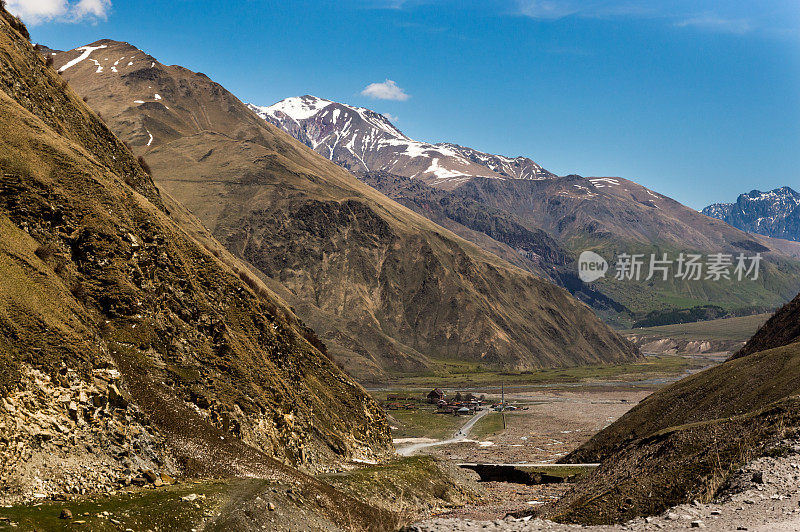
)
(550, 422)
(771, 504)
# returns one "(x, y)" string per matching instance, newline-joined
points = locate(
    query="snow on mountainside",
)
(775, 213)
(360, 139)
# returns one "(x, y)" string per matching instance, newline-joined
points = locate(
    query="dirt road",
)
(459, 436)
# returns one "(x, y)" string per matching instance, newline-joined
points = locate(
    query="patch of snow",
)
(442, 173)
(157, 97)
(87, 51)
(604, 181)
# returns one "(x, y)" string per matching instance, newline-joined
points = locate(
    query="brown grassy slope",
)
(683, 441)
(781, 329)
(122, 282)
(384, 287)
(733, 388)
(675, 466)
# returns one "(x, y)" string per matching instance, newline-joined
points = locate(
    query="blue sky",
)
(699, 100)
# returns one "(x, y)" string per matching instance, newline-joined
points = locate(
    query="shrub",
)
(49, 61)
(45, 251)
(79, 292)
(61, 266)
(17, 24)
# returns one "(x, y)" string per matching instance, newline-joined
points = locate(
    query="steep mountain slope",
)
(775, 213)
(126, 345)
(362, 140)
(385, 288)
(548, 223)
(493, 229)
(685, 440)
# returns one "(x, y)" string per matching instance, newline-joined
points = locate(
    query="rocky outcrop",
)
(64, 435)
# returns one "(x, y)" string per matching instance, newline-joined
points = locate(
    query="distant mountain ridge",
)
(362, 140)
(386, 289)
(775, 213)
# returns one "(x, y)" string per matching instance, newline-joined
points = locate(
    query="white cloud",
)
(390, 118)
(388, 90)
(38, 11)
(92, 8)
(708, 15)
(711, 22)
(547, 9)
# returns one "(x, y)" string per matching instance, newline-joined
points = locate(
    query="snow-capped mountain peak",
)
(361, 139)
(297, 107)
(773, 213)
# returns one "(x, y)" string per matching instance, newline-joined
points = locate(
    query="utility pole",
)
(503, 402)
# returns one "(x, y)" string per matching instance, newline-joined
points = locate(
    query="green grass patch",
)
(738, 329)
(424, 423)
(489, 425)
(469, 375)
(159, 509)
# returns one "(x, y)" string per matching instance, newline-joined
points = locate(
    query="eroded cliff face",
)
(124, 342)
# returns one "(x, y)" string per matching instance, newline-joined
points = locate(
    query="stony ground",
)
(63, 436)
(763, 496)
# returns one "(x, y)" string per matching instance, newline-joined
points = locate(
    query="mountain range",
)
(172, 267)
(775, 213)
(386, 289)
(540, 221)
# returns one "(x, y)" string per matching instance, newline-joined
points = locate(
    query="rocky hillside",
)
(386, 289)
(362, 140)
(495, 230)
(775, 213)
(127, 346)
(543, 225)
(687, 440)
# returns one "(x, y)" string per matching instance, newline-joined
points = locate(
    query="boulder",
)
(150, 475)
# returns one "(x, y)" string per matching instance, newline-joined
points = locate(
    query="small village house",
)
(435, 395)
